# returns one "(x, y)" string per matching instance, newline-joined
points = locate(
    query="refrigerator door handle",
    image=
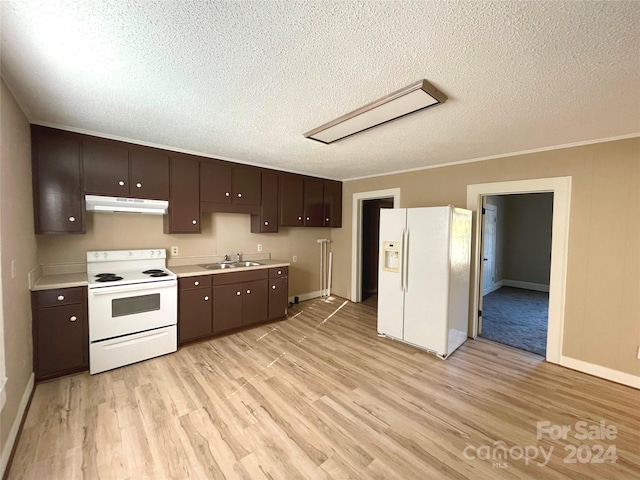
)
(404, 231)
(405, 260)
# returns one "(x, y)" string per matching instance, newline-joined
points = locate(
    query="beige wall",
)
(17, 244)
(602, 311)
(221, 233)
(527, 242)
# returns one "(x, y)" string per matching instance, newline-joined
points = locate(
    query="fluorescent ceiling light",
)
(416, 96)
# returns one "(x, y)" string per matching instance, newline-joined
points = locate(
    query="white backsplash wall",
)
(221, 233)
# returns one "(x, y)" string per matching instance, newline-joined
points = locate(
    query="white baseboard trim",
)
(13, 433)
(495, 287)
(540, 287)
(306, 296)
(600, 371)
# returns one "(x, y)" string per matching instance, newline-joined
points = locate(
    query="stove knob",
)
(152, 253)
(129, 254)
(104, 254)
(159, 252)
(96, 255)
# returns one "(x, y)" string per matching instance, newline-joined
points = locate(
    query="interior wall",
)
(603, 271)
(527, 252)
(222, 233)
(18, 245)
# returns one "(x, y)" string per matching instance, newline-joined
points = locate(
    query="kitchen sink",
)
(246, 264)
(218, 266)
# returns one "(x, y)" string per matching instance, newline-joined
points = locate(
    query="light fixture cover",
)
(417, 96)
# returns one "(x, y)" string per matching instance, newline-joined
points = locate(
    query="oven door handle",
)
(135, 287)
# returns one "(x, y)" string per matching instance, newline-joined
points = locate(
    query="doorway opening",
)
(364, 234)
(561, 189)
(516, 266)
(370, 251)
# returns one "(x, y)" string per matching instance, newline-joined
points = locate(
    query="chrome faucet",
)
(237, 257)
(226, 258)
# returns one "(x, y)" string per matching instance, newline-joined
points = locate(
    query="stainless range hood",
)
(98, 203)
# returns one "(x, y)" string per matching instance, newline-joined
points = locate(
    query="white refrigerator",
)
(423, 277)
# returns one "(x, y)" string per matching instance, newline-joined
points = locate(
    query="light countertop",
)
(79, 279)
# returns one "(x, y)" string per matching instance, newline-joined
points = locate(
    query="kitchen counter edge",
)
(68, 280)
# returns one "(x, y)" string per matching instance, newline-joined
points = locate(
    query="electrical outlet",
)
(638, 353)
(295, 258)
(13, 269)
(259, 247)
(174, 251)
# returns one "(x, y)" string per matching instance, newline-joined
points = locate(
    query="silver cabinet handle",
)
(73, 318)
(239, 195)
(194, 221)
(206, 298)
(248, 291)
(121, 183)
(308, 219)
(138, 185)
(238, 293)
(196, 283)
(72, 219)
(60, 297)
(299, 218)
(226, 194)
(266, 223)
(274, 287)
(279, 272)
(327, 219)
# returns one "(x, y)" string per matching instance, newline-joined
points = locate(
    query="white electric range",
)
(133, 307)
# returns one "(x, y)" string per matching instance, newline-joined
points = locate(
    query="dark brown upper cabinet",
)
(291, 189)
(184, 204)
(215, 182)
(224, 183)
(332, 204)
(112, 168)
(149, 174)
(57, 181)
(313, 202)
(267, 221)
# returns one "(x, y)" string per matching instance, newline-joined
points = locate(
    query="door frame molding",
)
(561, 188)
(356, 234)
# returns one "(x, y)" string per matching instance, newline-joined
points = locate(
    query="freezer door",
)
(390, 292)
(427, 284)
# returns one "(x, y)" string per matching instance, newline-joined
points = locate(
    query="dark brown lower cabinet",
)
(240, 299)
(278, 297)
(60, 332)
(255, 302)
(194, 308)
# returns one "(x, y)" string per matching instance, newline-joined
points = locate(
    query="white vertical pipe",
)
(329, 279)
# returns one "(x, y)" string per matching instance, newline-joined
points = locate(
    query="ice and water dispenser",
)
(391, 254)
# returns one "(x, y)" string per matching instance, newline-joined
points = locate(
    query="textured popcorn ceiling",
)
(243, 80)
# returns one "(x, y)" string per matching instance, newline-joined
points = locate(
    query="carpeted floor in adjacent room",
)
(516, 317)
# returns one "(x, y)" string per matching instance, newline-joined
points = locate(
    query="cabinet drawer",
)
(59, 296)
(240, 277)
(278, 272)
(200, 281)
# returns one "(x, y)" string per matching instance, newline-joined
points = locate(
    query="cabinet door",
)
(106, 168)
(184, 204)
(267, 221)
(61, 340)
(255, 301)
(215, 182)
(227, 307)
(57, 186)
(278, 297)
(291, 200)
(194, 314)
(149, 174)
(246, 186)
(332, 204)
(313, 202)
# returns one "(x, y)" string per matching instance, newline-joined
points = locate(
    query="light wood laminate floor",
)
(321, 396)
